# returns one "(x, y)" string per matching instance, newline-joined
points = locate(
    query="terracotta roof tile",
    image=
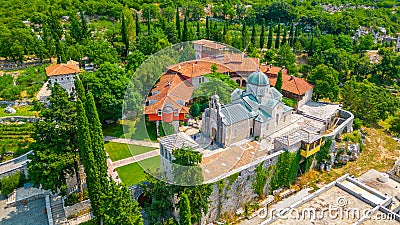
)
(290, 83)
(172, 88)
(196, 68)
(62, 69)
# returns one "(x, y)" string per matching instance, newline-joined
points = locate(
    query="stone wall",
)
(235, 191)
(13, 119)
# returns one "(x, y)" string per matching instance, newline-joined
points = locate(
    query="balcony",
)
(308, 150)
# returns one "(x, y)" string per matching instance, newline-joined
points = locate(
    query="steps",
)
(57, 210)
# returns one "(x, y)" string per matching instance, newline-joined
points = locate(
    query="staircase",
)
(57, 210)
(314, 118)
(11, 200)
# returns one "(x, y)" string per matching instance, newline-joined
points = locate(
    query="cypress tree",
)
(148, 23)
(207, 28)
(262, 35)
(311, 46)
(124, 35)
(278, 84)
(269, 43)
(178, 23)
(225, 28)
(137, 25)
(278, 36)
(86, 153)
(244, 35)
(84, 29)
(79, 89)
(198, 29)
(184, 214)
(296, 34)
(97, 138)
(284, 37)
(253, 35)
(291, 37)
(185, 30)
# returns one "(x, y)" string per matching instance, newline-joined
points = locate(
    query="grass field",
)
(14, 138)
(134, 173)
(21, 111)
(379, 153)
(118, 151)
(136, 130)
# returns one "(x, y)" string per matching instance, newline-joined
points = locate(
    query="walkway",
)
(135, 158)
(132, 142)
(18, 163)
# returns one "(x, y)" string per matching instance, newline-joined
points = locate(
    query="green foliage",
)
(184, 213)
(286, 169)
(285, 57)
(76, 197)
(305, 166)
(323, 153)
(217, 86)
(278, 36)
(279, 82)
(325, 80)
(289, 102)
(395, 125)
(368, 102)
(195, 110)
(55, 143)
(9, 183)
(262, 176)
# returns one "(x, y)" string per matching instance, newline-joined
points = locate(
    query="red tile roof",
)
(171, 88)
(290, 83)
(196, 68)
(62, 69)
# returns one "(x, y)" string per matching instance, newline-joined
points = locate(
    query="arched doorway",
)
(213, 133)
(238, 82)
(243, 83)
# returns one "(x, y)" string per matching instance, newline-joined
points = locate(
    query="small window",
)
(62, 78)
(284, 119)
(176, 112)
(159, 112)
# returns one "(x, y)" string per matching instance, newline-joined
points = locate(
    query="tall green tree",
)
(185, 30)
(279, 81)
(325, 80)
(244, 35)
(284, 36)
(55, 147)
(137, 25)
(207, 27)
(278, 36)
(253, 35)
(291, 34)
(178, 23)
(262, 35)
(269, 43)
(124, 35)
(87, 158)
(184, 213)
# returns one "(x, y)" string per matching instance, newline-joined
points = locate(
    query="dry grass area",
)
(380, 153)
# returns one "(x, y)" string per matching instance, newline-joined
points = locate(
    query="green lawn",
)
(134, 173)
(138, 129)
(118, 151)
(21, 111)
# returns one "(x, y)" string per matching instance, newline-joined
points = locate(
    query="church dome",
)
(258, 78)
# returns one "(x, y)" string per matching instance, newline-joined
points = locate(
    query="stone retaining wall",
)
(13, 119)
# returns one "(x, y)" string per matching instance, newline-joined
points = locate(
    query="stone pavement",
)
(132, 142)
(135, 158)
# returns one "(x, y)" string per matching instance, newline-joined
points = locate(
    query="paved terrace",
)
(347, 194)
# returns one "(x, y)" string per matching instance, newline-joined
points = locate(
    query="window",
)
(62, 78)
(175, 112)
(159, 112)
(284, 119)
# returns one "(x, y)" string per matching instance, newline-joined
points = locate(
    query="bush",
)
(8, 184)
(195, 110)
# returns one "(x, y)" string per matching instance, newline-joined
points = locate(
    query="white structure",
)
(205, 48)
(63, 74)
(397, 48)
(256, 112)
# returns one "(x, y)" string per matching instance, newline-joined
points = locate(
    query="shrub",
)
(8, 184)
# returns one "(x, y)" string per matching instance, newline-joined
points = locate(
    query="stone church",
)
(256, 112)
